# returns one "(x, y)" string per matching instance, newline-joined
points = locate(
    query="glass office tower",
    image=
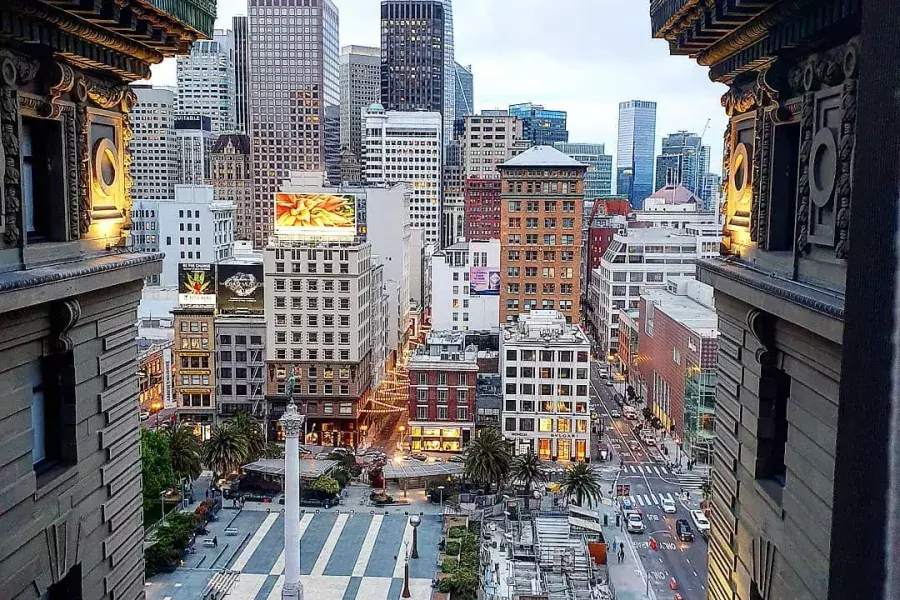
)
(541, 126)
(635, 149)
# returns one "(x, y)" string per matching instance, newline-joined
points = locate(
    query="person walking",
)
(215, 541)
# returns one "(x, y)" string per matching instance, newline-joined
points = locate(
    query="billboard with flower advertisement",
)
(196, 284)
(315, 215)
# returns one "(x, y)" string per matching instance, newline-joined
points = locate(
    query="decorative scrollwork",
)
(806, 142)
(64, 316)
(736, 102)
(65, 81)
(82, 130)
(758, 161)
(846, 151)
(761, 325)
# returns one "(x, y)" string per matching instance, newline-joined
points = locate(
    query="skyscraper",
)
(206, 82)
(153, 147)
(683, 160)
(598, 179)
(636, 143)
(417, 67)
(295, 79)
(541, 126)
(241, 74)
(360, 87)
(465, 90)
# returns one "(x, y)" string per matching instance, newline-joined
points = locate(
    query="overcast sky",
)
(582, 56)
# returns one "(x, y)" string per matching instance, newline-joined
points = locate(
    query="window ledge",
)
(53, 479)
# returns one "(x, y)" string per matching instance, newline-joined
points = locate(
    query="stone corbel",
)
(63, 84)
(63, 317)
(762, 327)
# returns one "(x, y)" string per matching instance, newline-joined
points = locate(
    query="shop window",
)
(564, 426)
(544, 449)
(509, 424)
(545, 425)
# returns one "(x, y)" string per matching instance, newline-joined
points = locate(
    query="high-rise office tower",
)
(488, 141)
(360, 88)
(683, 160)
(541, 126)
(465, 90)
(598, 179)
(634, 150)
(294, 78)
(206, 81)
(153, 148)
(241, 74)
(418, 71)
(406, 147)
(194, 141)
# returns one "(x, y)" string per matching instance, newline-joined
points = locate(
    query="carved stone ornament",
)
(761, 325)
(726, 176)
(846, 150)
(292, 421)
(63, 317)
(63, 545)
(65, 81)
(762, 177)
(806, 143)
(738, 101)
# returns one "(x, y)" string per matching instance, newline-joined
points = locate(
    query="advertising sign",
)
(623, 489)
(484, 281)
(196, 284)
(315, 215)
(240, 288)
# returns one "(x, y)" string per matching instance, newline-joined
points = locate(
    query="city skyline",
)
(496, 41)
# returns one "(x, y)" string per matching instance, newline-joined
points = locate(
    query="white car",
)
(700, 522)
(668, 505)
(634, 522)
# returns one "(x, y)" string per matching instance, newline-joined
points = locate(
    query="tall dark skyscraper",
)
(634, 151)
(683, 160)
(541, 126)
(465, 91)
(417, 67)
(241, 74)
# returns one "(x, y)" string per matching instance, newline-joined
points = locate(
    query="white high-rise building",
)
(206, 81)
(153, 147)
(195, 142)
(360, 87)
(545, 369)
(460, 303)
(406, 147)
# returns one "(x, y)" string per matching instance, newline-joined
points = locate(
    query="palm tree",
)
(527, 468)
(225, 449)
(185, 450)
(487, 458)
(252, 432)
(582, 482)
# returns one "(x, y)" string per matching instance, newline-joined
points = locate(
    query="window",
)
(443, 413)
(422, 396)
(42, 180)
(225, 372)
(511, 355)
(346, 408)
(422, 413)
(545, 425)
(676, 356)
(509, 424)
(772, 431)
(442, 396)
(462, 413)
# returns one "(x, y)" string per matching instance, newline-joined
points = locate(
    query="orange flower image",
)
(314, 210)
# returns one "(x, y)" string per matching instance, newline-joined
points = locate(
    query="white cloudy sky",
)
(582, 56)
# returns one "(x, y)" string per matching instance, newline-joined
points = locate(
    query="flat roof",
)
(275, 466)
(684, 310)
(412, 468)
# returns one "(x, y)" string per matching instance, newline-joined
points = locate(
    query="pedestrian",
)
(621, 555)
(207, 494)
(215, 541)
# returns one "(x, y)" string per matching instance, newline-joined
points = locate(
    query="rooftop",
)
(543, 327)
(676, 194)
(654, 235)
(542, 156)
(684, 310)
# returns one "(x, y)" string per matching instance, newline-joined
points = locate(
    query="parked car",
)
(615, 413)
(700, 522)
(457, 458)
(683, 531)
(603, 451)
(145, 415)
(668, 505)
(634, 522)
(609, 383)
(419, 456)
(626, 504)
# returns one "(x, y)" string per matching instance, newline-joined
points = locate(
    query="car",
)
(683, 531)
(457, 458)
(634, 522)
(668, 505)
(419, 456)
(615, 413)
(603, 451)
(609, 383)
(145, 415)
(626, 504)
(700, 522)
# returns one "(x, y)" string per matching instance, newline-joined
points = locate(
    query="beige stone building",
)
(231, 180)
(194, 383)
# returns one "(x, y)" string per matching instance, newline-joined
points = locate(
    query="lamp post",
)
(441, 489)
(292, 424)
(162, 501)
(405, 593)
(402, 428)
(415, 521)
(362, 430)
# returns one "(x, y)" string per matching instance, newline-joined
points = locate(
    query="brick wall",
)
(452, 386)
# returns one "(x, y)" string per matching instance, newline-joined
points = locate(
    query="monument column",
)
(292, 424)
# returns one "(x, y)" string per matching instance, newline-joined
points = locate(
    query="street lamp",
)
(363, 429)
(415, 521)
(441, 489)
(162, 501)
(402, 428)
(405, 593)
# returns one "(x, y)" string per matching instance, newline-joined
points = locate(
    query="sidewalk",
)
(628, 579)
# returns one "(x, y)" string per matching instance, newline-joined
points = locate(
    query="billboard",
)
(240, 288)
(196, 284)
(484, 281)
(315, 215)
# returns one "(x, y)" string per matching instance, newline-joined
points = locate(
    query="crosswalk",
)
(646, 470)
(650, 499)
(690, 481)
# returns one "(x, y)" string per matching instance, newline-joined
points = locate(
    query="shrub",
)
(446, 585)
(457, 531)
(327, 485)
(452, 549)
(449, 565)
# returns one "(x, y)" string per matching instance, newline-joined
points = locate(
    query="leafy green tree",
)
(185, 449)
(251, 430)
(583, 482)
(156, 465)
(225, 450)
(273, 450)
(487, 458)
(327, 485)
(527, 468)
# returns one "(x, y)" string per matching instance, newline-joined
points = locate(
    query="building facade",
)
(241, 365)
(488, 141)
(241, 74)
(598, 178)
(465, 91)
(541, 126)
(462, 296)
(406, 147)
(540, 234)
(206, 83)
(635, 149)
(195, 368)
(418, 72)
(684, 160)
(232, 182)
(442, 376)
(360, 88)
(294, 80)
(194, 143)
(482, 209)
(800, 308)
(153, 147)
(453, 225)
(544, 365)
(152, 378)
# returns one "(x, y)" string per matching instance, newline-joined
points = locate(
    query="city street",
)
(650, 481)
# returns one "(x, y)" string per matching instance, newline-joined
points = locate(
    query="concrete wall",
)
(86, 511)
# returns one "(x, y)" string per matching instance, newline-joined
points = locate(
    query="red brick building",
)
(676, 361)
(482, 198)
(442, 380)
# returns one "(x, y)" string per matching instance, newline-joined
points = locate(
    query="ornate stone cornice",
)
(91, 265)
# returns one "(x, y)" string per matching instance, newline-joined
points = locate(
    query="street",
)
(644, 471)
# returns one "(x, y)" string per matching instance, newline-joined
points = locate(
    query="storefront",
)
(554, 446)
(443, 437)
